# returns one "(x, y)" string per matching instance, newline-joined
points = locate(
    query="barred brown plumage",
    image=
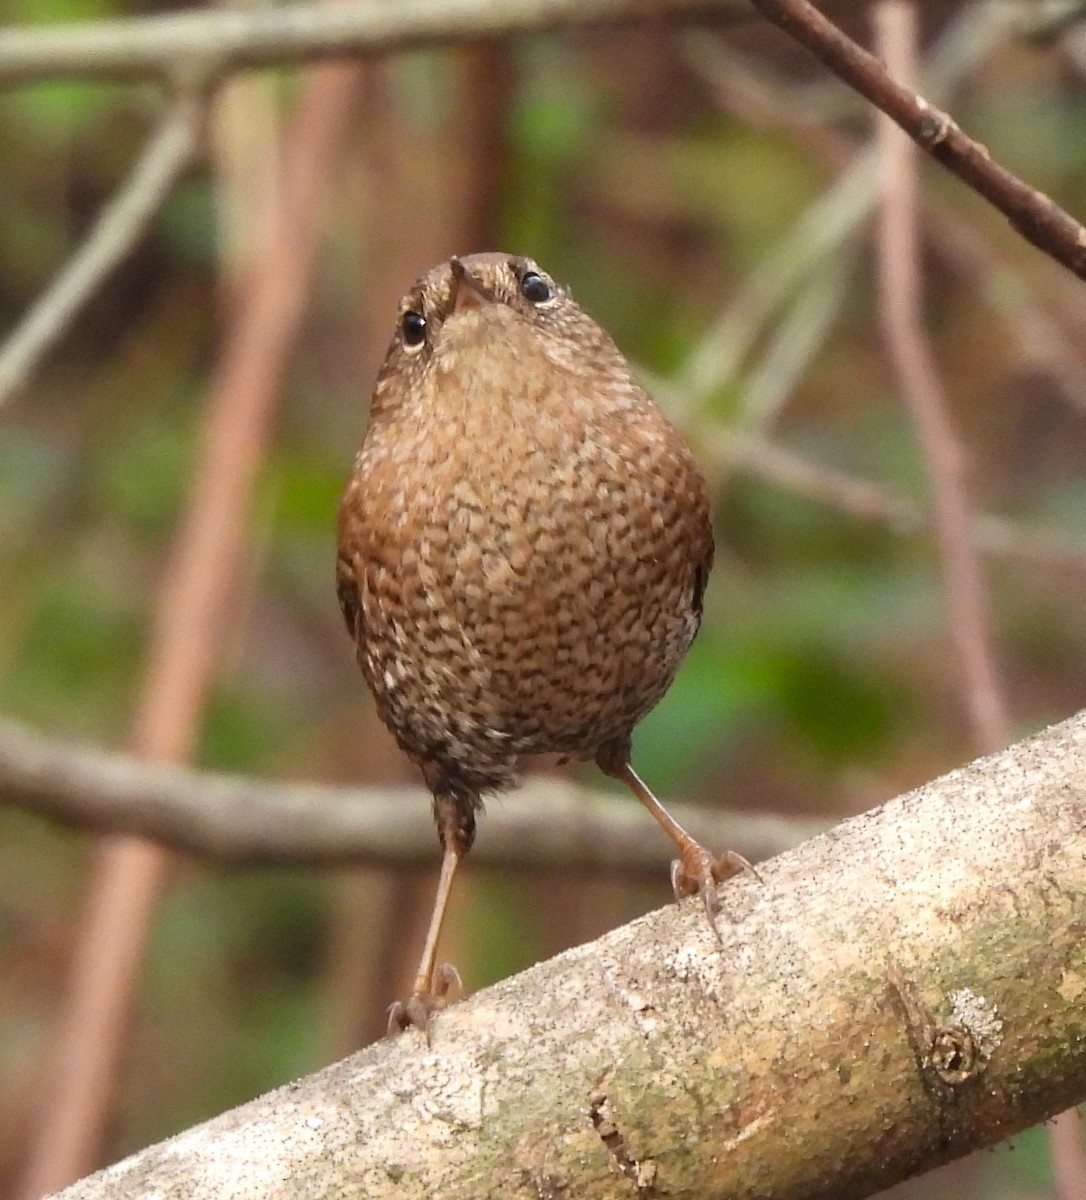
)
(523, 546)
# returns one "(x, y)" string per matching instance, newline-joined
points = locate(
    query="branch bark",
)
(898, 992)
(545, 824)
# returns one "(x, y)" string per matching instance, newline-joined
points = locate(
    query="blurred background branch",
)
(969, 609)
(547, 824)
(214, 41)
(867, 501)
(900, 292)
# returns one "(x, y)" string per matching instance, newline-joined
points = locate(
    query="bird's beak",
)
(468, 291)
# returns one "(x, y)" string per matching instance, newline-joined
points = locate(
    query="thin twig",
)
(796, 340)
(820, 232)
(1046, 20)
(899, 284)
(118, 229)
(1033, 214)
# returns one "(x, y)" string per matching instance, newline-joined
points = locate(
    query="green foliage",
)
(32, 467)
(503, 937)
(239, 955)
(51, 115)
(241, 724)
(187, 224)
(143, 478)
(307, 490)
(75, 658)
(1019, 1167)
(53, 12)
(550, 130)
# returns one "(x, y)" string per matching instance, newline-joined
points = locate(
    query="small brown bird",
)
(523, 547)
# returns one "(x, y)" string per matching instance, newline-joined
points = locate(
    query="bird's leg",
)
(433, 982)
(696, 871)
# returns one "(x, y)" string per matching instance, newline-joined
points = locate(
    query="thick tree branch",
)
(1033, 214)
(547, 824)
(898, 992)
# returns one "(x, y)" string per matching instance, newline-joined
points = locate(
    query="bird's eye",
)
(535, 288)
(413, 329)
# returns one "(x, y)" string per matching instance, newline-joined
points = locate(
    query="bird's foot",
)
(426, 1000)
(698, 872)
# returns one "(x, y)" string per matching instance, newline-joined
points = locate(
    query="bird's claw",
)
(419, 1008)
(697, 872)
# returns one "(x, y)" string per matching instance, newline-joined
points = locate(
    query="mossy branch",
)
(896, 993)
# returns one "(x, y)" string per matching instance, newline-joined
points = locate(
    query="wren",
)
(524, 543)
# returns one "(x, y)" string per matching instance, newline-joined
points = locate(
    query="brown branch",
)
(215, 41)
(118, 229)
(1033, 214)
(548, 824)
(895, 994)
(899, 265)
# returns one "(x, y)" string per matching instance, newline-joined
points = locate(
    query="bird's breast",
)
(531, 575)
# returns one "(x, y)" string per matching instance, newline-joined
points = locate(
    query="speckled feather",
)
(524, 540)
